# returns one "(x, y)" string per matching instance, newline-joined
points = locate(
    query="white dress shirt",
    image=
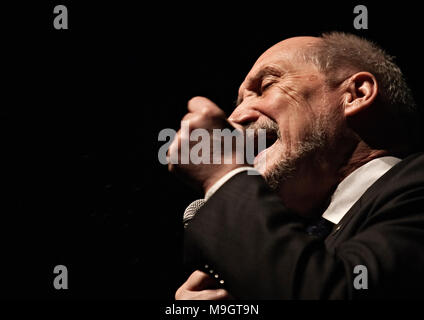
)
(225, 178)
(347, 192)
(354, 186)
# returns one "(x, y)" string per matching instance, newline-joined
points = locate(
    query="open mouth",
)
(270, 139)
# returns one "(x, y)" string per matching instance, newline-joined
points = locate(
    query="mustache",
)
(269, 125)
(272, 133)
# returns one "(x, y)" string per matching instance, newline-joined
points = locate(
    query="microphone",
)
(191, 210)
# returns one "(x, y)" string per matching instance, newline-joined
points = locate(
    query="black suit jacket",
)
(246, 236)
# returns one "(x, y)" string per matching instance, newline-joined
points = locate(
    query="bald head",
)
(291, 46)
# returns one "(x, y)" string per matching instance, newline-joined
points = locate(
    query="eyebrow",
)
(266, 71)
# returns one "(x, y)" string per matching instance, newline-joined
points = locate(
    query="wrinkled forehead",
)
(288, 50)
(286, 55)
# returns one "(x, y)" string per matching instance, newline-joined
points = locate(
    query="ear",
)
(360, 93)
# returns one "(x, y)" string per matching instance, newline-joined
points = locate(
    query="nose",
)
(244, 114)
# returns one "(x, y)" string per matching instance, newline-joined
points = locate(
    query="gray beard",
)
(308, 148)
(286, 168)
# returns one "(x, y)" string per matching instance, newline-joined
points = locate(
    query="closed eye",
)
(265, 85)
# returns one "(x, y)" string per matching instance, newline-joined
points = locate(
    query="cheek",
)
(275, 105)
(294, 121)
(294, 115)
(283, 99)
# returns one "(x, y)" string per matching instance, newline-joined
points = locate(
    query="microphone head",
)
(191, 210)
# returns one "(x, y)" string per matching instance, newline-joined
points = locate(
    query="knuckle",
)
(199, 274)
(196, 99)
(195, 275)
(196, 121)
(205, 107)
(215, 112)
(207, 111)
(186, 117)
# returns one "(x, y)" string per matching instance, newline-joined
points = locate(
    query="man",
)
(341, 194)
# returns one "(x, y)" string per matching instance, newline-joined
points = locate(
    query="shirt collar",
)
(354, 186)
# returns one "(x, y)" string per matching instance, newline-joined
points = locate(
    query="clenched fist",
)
(200, 153)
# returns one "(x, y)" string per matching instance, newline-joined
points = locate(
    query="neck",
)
(309, 191)
(361, 155)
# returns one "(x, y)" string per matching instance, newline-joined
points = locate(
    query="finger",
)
(209, 294)
(205, 106)
(173, 153)
(212, 294)
(199, 280)
(187, 116)
(193, 120)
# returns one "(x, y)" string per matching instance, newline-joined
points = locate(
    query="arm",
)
(263, 252)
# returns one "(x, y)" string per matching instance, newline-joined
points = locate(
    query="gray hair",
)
(339, 53)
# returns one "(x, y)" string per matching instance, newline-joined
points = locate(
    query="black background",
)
(81, 110)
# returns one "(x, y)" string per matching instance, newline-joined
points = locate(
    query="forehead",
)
(285, 56)
(287, 50)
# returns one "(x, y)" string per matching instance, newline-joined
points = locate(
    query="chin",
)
(276, 170)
